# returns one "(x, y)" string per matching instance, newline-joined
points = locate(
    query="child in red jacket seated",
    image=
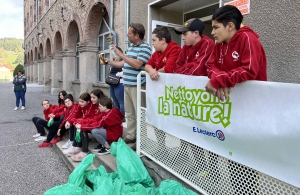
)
(106, 128)
(40, 123)
(58, 128)
(57, 114)
(238, 55)
(86, 110)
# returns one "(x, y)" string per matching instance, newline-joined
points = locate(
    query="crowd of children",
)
(94, 113)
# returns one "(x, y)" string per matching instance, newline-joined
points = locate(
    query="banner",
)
(258, 126)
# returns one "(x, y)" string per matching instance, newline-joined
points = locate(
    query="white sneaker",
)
(36, 135)
(67, 145)
(16, 108)
(68, 150)
(22, 108)
(40, 139)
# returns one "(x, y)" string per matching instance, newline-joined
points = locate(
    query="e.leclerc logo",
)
(218, 134)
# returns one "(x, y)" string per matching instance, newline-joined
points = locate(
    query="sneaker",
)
(16, 108)
(75, 151)
(55, 140)
(78, 157)
(36, 135)
(40, 139)
(104, 151)
(67, 145)
(68, 150)
(98, 148)
(45, 145)
(22, 108)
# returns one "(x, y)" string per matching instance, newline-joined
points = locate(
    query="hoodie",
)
(242, 58)
(111, 121)
(20, 83)
(192, 59)
(165, 59)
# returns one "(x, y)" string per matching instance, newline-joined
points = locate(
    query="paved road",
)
(25, 169)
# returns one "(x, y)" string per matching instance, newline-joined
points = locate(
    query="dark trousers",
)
(84, 143)
(40, 124)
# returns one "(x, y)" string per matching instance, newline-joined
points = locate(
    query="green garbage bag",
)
(76, 182)
(77, 136)
(50, 122)
(171, 187)
(129, 165)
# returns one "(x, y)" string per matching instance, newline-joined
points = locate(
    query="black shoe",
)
(98, 148)
(129, 141)
(104, 151)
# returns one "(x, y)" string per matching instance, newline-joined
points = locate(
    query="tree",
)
(18, 68)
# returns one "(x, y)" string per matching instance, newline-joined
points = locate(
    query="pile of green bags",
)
(131, 178)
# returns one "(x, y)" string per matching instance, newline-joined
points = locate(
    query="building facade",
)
(63, 38)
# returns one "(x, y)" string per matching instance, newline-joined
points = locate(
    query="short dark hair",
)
(69, 96)
(107, 102)
(139, 29)
(162, 32)
(20, 71)
(228, 13)
(85, 97)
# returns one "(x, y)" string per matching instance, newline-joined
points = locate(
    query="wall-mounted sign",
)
(242, 5)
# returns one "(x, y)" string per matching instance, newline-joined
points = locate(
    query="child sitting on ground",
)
(58, 129)
(40, 123)
(106, 128)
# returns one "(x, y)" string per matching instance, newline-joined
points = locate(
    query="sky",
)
(11, 19)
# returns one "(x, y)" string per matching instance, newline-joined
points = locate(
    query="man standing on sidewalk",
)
(133, 63)
(20, 89)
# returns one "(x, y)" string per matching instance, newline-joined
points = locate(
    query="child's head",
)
(61, 96)
(68, 100)
(161, 36)
(105, 104)
(84, 99)
(225, 22)
(45, 104)
(97, 94)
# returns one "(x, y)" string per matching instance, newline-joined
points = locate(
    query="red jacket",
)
(242, 59)
(69, 115)
(59, 111)
(111, 121)
(192, 59)
(165, 59)
(49, 111)
(87, 112)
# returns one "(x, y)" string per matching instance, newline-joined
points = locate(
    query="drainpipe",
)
(111, 21)
(126, 23)
(36, 12)
(220, 3)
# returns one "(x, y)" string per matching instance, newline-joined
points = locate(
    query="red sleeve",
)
(250, 53)
(75, 114)
(151, 60)
(58, 112)
(181, 59)
(198, 67)
(171, 59)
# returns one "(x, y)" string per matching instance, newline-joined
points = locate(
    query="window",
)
(103, 47)
(77, 60)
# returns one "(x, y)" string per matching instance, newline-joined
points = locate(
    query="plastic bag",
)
(77, 136)
(50, 122)
(76, 182)
(171, 187)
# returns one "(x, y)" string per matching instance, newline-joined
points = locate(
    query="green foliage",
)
(18, 68)
(11, 44)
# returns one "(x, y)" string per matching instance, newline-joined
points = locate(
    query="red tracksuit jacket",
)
(49, 111)
(88, 112)
(59, 111)
(111, 121)
(69, 115)
(242, 59)
(192, 59)
(165, 59)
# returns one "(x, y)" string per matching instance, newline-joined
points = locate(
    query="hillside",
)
(11, 51)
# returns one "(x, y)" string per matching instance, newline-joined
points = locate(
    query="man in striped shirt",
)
(133, 63)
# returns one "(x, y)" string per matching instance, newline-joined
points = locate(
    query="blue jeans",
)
(117, 94)
(20, 95)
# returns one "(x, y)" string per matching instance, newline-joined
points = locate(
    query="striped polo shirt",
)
(141, 52)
